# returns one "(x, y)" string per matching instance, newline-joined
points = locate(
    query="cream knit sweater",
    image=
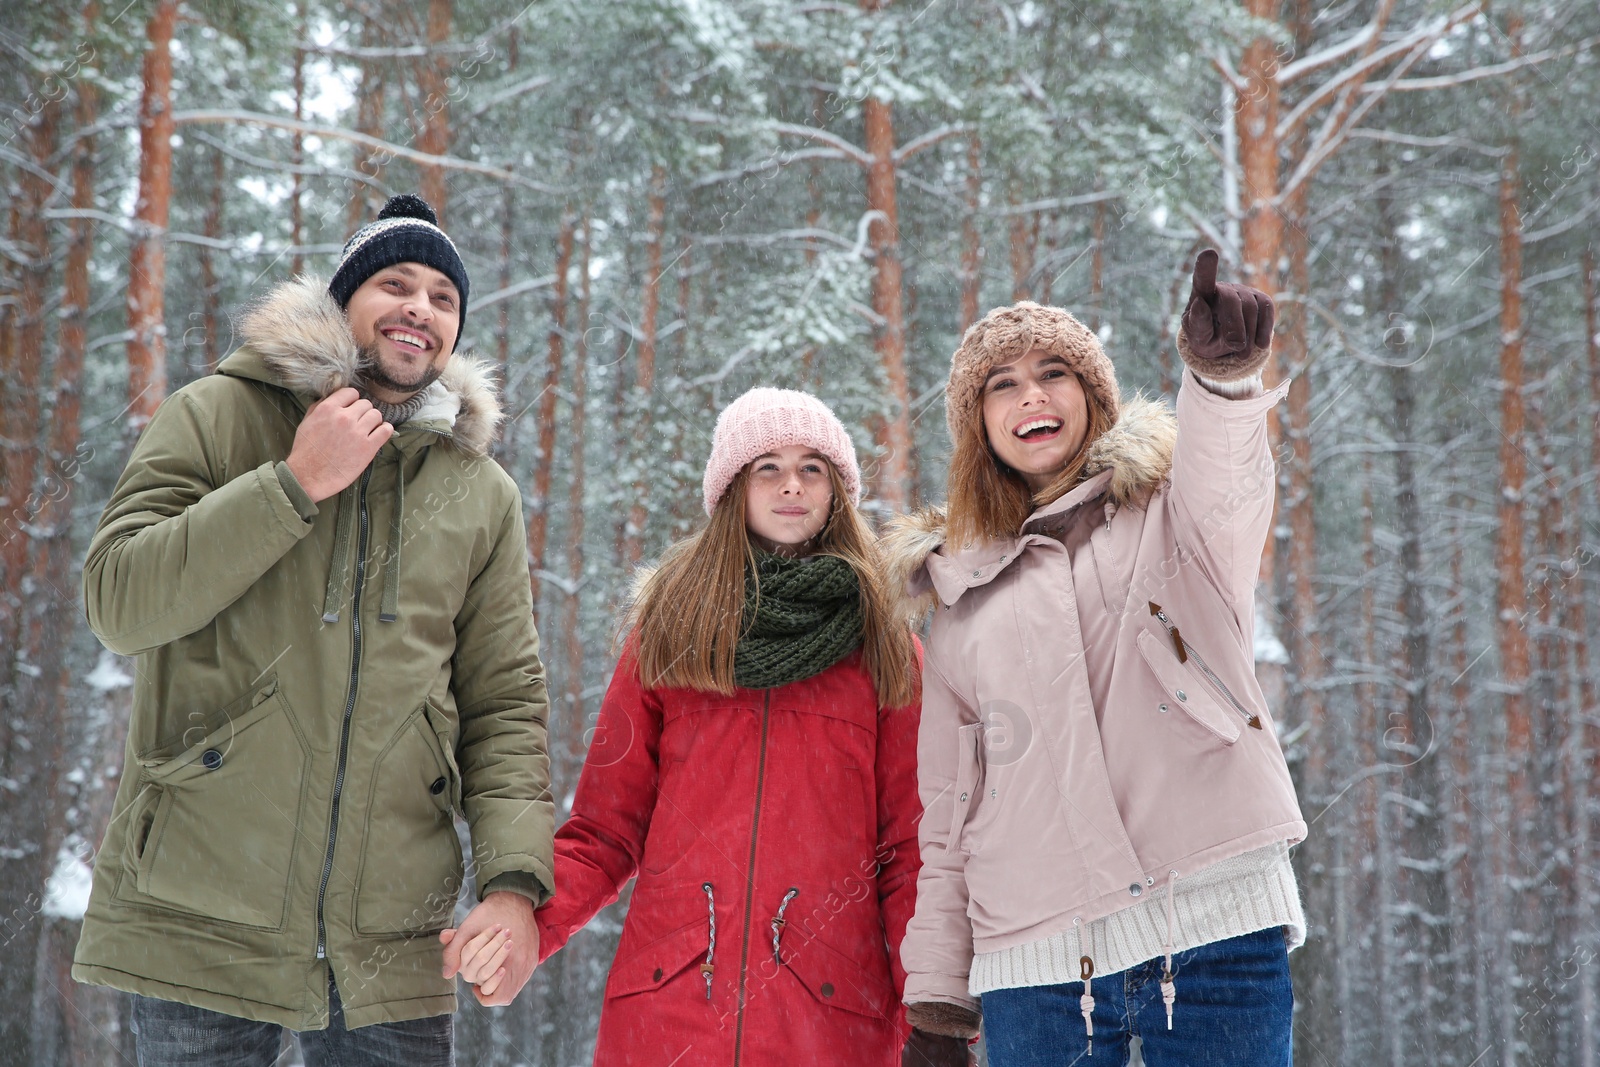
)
(1250, 892)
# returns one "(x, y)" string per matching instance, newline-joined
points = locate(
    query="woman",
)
(754, 766)
(1106, 844)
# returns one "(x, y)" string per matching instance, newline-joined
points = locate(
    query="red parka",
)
(774, 836)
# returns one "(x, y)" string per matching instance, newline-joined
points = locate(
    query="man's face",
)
(406, 318)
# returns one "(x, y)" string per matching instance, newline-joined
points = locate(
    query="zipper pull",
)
(1254, 722)
(1172, 631)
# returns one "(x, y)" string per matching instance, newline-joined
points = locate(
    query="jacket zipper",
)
(1186, 651)
(750, 876)
(349, 709)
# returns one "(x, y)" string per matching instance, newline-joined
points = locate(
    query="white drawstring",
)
(1086, 1002)
(1169, 988)
(708, 966)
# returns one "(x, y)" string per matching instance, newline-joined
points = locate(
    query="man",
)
(326, 583)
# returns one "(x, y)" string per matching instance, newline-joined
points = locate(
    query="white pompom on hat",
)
(764, 420)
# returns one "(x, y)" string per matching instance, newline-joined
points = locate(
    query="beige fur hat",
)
(1007, 334)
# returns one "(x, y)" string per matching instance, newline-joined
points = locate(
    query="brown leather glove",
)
(948, 1020)
(936, 1050)
(1227, 329)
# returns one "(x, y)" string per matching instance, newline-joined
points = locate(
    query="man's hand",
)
(334, 443)
(1227, 329)
(935, 1050)
(495, 948)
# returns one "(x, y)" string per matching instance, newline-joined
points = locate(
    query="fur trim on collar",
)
(304, 340)
(1137, 451)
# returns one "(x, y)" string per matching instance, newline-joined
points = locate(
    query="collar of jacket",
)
(1125, 466)
(298, 339)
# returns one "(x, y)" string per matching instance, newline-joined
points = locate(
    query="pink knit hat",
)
(766, 419)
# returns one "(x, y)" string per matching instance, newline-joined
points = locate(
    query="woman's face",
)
(788, 497)
(1035, 415)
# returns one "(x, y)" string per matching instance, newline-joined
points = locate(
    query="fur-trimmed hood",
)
(1125, 465)
(297, 338)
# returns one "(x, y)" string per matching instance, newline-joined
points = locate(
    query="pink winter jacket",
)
(1070, 759)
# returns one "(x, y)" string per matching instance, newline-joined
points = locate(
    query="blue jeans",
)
(1234, 1009)
(169, 1034)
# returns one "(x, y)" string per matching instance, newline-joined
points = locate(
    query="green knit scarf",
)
(807, 619)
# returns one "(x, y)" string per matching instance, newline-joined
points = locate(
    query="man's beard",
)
(373, 374)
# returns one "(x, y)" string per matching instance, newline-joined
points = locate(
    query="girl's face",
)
(1035, 416)
(787, 498)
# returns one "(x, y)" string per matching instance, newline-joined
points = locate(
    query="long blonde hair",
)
(986, 500)
(688, 615)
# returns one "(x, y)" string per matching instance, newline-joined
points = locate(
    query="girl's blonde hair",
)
(986, 500)
(688, 615)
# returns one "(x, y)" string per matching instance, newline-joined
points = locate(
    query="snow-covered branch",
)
(1423, 36)
(528, 85)
(526, 285)
(823, 137)
(927, 140)
(1293, 72)
(399, 151)
(1450, 81)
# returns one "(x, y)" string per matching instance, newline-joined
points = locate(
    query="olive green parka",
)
(320, 689)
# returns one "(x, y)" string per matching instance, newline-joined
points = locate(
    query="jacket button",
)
(963, 796)
(657, 976)
(827, 989)
(437, 787)
(1135, 889)
(975, 574)
(211, 759)
(1163, 707)
(1182, 695)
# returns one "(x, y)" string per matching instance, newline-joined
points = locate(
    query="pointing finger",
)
(1205, 274)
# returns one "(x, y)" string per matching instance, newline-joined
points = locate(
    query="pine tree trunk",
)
(30, 760)
(1024, 234)
(1255, 121)
(1511, 601)
(895, 471)
(147, 263)
(544, 462)
(21, 414)
(210, 284)
(369, 120)
(432, 77)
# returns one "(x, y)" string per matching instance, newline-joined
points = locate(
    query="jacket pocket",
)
(411, 866)
(661, 962)
(1187, 691)
(215, 824)
(862, 986)
(968, 784)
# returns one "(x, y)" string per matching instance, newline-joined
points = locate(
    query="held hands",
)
(1227, 329)
(334, 443)
(495, 949)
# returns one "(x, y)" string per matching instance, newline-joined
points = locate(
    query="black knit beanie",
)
(407, 231)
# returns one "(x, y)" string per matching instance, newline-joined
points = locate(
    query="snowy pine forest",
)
(664, 202)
